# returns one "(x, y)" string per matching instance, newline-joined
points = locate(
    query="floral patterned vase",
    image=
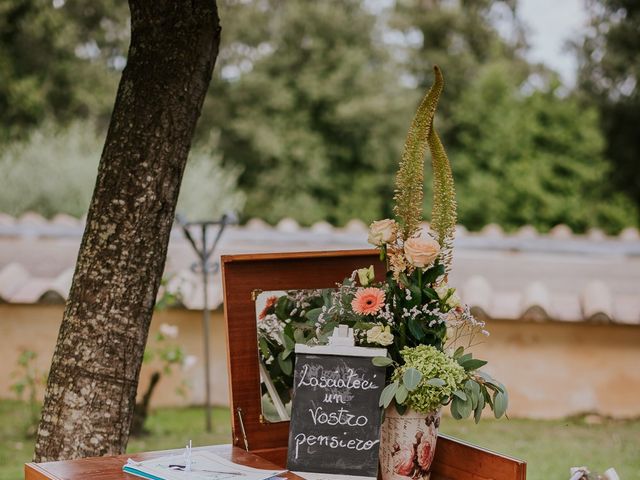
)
(407, 444)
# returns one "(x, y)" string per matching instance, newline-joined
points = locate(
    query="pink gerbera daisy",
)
(368, 301)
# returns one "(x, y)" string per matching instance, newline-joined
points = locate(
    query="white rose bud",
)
(445, 291)
(454, 300)
(382, 231)
(442, 290)
(366, 276)
(421, 252)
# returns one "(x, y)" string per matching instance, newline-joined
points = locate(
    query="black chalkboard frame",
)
(355, 452)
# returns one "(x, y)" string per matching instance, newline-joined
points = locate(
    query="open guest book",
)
(200, 465)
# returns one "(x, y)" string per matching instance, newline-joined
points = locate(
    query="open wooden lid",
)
(243, 277)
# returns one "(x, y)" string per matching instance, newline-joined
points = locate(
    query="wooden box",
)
(243, 276)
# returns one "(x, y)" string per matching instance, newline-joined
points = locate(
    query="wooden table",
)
(110, 468)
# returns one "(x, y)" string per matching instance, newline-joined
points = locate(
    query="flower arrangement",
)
(412, 312)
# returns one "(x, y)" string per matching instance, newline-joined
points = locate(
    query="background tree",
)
(609, 75)
(58, 63)
(460, 37)
(308, 103)
(93, 379)
(530, 156)
(313, 100)
(53, 171)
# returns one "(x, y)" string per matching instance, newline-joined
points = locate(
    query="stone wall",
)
(552, 369)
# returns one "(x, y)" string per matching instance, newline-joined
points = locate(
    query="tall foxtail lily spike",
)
(410, 178)
(443, 210)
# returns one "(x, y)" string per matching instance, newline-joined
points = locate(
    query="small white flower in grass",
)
(169, 331)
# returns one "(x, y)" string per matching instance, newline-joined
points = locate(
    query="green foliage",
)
(531, 158)
(27, 381)
(208, 189)
(460, 37)
(54, 171)
(609, 77)
(310, 102)
(309, 105)
(430, 363)
(57, 61)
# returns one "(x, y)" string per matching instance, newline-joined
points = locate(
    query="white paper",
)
(204, 466)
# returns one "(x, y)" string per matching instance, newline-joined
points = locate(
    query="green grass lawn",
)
(549, 447)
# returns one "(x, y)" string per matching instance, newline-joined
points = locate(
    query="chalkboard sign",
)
(335, 417)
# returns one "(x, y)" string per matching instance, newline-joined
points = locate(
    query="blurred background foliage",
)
(310, 102)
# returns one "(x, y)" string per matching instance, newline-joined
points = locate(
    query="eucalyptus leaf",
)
(500, 403)
(460, 394)
(472, 364)
(455, 413)
(401, 394)
(462, 407)
(285, 353)
(477, 413)
(388, 393)
(411, 379)
(466, 408)
(381, 361)
(459, 351)
(472, 386)
(464, 358)
(298, 336)
(436, 382)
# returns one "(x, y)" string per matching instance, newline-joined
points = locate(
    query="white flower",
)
(380, 335)
(382, 231)
(169, 331)
(444, 291)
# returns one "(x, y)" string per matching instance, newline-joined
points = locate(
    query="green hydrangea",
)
(432, 363)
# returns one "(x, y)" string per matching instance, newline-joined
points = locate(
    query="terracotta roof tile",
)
(522, 276)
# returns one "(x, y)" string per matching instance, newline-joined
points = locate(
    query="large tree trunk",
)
(91, 391)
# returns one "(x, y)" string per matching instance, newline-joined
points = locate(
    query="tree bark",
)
(91, 391)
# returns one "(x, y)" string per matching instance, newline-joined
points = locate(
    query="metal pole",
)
(206, 330)
(204, 254)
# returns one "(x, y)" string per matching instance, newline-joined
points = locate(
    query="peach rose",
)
(403, 461)
(421, 252)
(382, 231)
